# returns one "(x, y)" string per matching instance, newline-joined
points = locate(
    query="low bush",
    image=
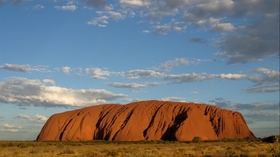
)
(196, 139)
(271, 139)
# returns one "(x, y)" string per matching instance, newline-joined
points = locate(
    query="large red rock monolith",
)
(146, 120)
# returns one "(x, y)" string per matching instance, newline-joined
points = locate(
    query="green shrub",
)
(271, 139)
(196, 139)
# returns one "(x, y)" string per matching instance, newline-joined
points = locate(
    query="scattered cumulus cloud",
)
(9, 128)
(25, 92)
(136, 85)
(174, 99)
(267, 81)
(168, 65)
(105, 16)
(253, 42)
(70, 6)
(37, 119)
(23, 68)
(65, 70)
(241, 40)
(179, 29)
(130, 100)
(140, 73)
(264, 80)
(98, 73)
(157, 13)
(253, 107)
(146, 31)
(258, 111)
(222, 27)
(137, 3)
(15, 67)
(263, 116)
(183, 78)
(161, 30)
(127, 85)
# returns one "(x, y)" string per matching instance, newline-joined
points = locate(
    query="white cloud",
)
(252, 42)
(221, 27)
(263, 116)
(233, 76)
(127, 85)
(48, 81)
(98, 73)
(66, 70)
(179, 29)
(174, 99)
(23, 68)
(105, 16)
(68, 7)
(263, 88)
(168, 65)
(146, 31)
(139, 73)
(183, 78)
(37, 119)
(138, 3)
(15, 67)
(157, 83)
(22, 92)
(41, 118)
(115, 15)
(40, 68)
(251, 107)
(158, 11)
(132, 100)
(9, 128)
(265, 82)
(269, 74)
(161, 30)
(103, 20)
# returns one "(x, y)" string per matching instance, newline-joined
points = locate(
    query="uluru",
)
(146, 120)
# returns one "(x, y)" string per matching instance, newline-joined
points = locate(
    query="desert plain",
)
(98, 148)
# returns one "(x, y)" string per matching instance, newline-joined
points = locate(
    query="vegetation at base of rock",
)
(196, 139)
(100, 148)
(271, 139)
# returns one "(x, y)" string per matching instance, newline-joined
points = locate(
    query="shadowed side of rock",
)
(146, 120)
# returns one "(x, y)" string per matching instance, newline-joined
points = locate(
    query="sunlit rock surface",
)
(146, 120)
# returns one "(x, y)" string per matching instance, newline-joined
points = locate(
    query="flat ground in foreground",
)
(234, 148)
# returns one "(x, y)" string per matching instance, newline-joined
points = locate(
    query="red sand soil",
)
(146, 120)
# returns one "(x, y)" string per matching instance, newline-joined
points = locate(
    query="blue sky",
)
(59, 55)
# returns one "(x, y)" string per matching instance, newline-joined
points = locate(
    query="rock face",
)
(146, 120)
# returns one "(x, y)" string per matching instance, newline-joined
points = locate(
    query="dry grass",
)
(234, 148)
